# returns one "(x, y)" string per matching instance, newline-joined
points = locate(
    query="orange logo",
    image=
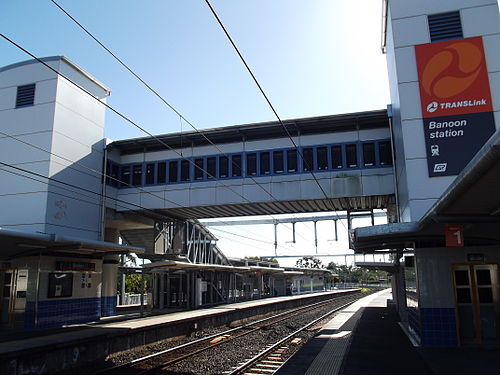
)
(452, 70)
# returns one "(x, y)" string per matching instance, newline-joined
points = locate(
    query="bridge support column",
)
(109, 276)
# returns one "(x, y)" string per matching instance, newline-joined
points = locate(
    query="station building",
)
(61, 220)
(431, 160)
(444, 72)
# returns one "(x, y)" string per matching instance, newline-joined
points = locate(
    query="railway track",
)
(169, 360)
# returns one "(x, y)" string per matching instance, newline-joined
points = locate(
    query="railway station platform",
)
(366, 339)
(39, 351)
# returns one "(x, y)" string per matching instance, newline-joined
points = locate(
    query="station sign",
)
(456, 102)
(454, 235)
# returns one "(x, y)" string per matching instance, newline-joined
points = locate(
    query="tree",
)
(263, 259)
(309, 262)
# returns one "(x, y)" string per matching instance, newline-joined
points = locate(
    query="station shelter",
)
(179, 284)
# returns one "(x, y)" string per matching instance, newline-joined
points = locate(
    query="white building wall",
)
(60, 137)
(407, 27)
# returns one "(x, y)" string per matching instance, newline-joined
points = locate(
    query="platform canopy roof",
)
(15, 244)
(472, 200)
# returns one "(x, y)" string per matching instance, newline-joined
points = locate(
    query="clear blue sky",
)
(312, 57)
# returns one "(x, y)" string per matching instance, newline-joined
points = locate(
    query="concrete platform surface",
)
(62, 349)
(366, 339)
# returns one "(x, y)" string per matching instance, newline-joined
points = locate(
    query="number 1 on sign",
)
(454, 235)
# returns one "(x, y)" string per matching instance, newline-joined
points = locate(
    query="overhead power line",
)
(156, 93)
(269, 103)
(124, 117)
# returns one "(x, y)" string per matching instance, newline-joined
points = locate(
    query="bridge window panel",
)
(211, 167)
(322, 158)
(185, 166)
(368, 154)
(150, 174)
(291, 161)
(223, 166)
(236, 165)
(278, 162)
(251, 164)
(114, 174)
(173, 167)
(199, 168)
(337, 157)
(137, 175)
(351, 152)
(307, 159)
(125, 176)
(161, 173)
(265, 163)
(385, 153)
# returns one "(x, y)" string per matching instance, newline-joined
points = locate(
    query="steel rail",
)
(254, 360)
(267, 321)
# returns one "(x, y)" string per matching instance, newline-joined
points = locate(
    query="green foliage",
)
(133, 283)
(309, 262)
(263, 259)
(352, 274)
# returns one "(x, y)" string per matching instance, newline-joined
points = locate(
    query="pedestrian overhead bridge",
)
(340, 162)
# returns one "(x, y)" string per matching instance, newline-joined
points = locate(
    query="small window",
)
(211, 167)
(307, 162)
(161, 176)
(223, 166)
(445, 26)
(251, 164)
(60, 285)
(137, 175)
(337, 157)
(278, 162)
(351, 156)
(462, 277)
(385, 153)
(368, 154)
(114, 174)
(25, 95)
(199, 168)
(150, 174)
(172, 171)
(265, 167)
(322, 158)
(291, 161)
(125, 176)
(185, 165)
(236, 165)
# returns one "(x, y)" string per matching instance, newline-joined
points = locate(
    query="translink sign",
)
(456, 103)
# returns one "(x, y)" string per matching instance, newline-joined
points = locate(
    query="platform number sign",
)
(454, 235)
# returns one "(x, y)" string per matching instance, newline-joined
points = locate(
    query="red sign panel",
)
(454, 235)
(453, 78)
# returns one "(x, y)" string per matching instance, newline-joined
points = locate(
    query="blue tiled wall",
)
(108, 306)
(55, 313)
(438, 327)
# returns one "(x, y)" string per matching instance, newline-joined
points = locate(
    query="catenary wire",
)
(127, 120)
(121, 115)
(101, 174)
(269, 103)
(155, 92)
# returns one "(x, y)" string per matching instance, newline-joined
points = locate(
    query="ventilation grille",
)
(445, 26)
(25, 95)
